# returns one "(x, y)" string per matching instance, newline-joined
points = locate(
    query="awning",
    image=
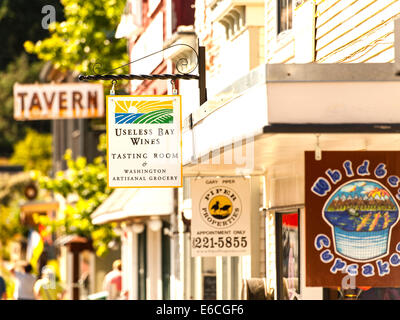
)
(284, 146)
(282, 107)
(126, 204)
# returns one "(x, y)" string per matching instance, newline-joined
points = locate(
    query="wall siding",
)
(270, 28)
(248, 43)
(278, 48)
(346, 31)
(349, 31)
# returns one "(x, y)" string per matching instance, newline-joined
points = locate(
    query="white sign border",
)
(180, 142)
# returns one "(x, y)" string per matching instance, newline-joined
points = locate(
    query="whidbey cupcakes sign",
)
(352, 218)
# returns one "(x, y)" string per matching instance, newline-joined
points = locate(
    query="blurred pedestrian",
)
(24, 282)
(113, 281)
(84, 283)
(3, 293)
(47, 287)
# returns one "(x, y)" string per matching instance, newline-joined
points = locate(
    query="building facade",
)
(283, 77)
(313, 86)
(147, 217)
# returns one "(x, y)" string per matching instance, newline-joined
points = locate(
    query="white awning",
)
(125, 204)
(351, 94)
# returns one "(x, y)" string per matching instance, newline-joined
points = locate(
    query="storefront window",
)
(166, 262)
(209, 278)
(285, 15)
(288, 257)
(209, 286)
(362, 293)
(142, 274)
(379, 294)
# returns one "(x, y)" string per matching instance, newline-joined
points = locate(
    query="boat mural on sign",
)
(361, 213)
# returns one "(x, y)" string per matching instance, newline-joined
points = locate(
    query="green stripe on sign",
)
(153, 116)
(144, 118)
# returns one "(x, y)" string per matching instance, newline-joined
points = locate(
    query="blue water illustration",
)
(126, 117)
(347, 222)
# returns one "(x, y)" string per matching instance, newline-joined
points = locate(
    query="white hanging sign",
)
(220, 217)
(144, 135)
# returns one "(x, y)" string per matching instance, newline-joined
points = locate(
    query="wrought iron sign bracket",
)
(201, 77)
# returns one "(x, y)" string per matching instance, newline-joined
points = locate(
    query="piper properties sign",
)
(144, 141)
(352, 214)
(220, 217)
(58, 101)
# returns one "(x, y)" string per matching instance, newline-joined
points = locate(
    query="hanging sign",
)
(352, 219)
(58, 101)
(144, 135)
(220, 217)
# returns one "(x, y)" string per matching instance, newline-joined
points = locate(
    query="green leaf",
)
(85, 37)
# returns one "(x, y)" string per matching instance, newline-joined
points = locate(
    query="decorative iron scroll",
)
(181, 75)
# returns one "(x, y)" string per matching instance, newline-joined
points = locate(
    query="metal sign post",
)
(201, 77)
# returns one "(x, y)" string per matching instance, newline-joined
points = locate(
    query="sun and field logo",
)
(128, 111)
(220, 207)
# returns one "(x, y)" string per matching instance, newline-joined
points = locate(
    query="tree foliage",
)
(10, 225)
(85, 38)
(12, 131)
(11, 196)
(21, 20)
(34, 152)
(86, 184)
